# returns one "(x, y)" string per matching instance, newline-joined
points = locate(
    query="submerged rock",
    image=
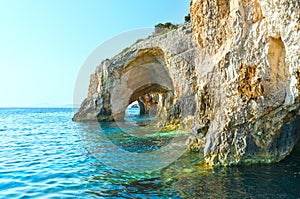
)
(231, 76)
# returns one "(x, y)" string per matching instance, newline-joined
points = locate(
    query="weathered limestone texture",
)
(252, 50)
(232, 77)
(162, 65)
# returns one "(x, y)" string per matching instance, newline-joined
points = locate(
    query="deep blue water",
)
(43, 154)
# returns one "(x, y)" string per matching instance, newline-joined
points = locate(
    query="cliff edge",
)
(231, 76)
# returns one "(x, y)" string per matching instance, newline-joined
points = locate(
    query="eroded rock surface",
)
(252, 48)
(161, 65)
(232, 77)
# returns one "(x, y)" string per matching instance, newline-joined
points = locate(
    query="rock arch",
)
(145, 68)
(239, 98)
(145, 74)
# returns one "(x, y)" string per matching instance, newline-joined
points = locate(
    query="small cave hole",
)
(132, 110)
(143, 108)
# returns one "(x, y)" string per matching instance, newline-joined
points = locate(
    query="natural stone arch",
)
(145, 74)
(237, 91)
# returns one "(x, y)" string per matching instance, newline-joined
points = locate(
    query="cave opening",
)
(295, 135)
(144, 105)
(294, 156)
(149, 103)
(145, 83)
(146, 110)
(132, 110)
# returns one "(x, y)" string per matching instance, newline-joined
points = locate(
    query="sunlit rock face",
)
(161, 66)
(251, 94)
(232, 77)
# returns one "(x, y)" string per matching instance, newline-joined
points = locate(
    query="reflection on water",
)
(280, 180)
(189, 177)
(42, 156)
(132, 147)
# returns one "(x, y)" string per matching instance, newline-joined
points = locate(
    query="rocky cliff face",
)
(252, 48)
(232, 77)
(163, 65)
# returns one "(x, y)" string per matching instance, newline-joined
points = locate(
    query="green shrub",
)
(187, 18)
(164, 28)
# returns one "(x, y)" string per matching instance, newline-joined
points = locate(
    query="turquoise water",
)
(42, 155)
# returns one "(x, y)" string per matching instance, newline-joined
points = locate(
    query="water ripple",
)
(42, 156)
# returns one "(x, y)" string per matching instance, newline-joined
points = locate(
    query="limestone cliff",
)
(252, 50)
(151, 66)
(232, 76)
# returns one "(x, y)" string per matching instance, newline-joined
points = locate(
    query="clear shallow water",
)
(42, 156)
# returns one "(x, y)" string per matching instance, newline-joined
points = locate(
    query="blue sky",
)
(43, 44)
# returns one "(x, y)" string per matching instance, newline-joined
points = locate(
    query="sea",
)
(44, 154)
